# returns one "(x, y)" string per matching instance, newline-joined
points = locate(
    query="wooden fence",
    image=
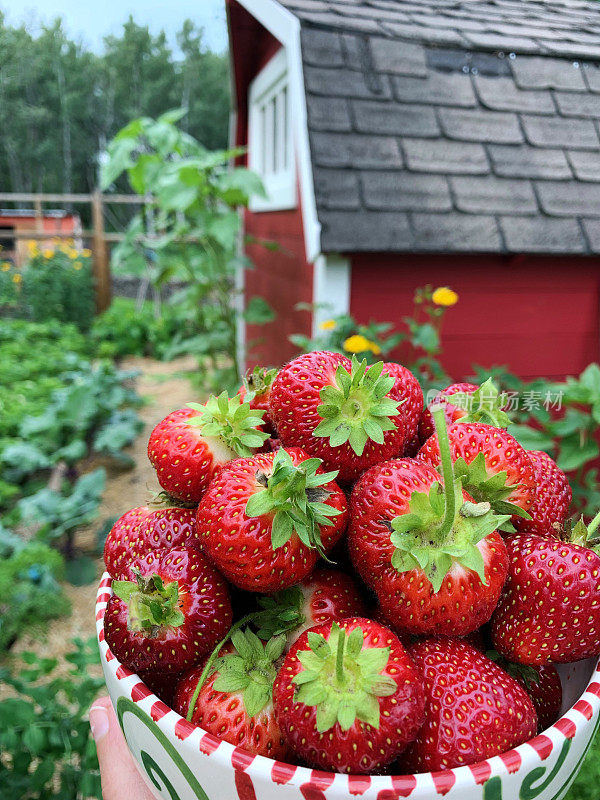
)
(97, 236)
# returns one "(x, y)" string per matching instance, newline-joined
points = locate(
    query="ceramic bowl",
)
(180, 761)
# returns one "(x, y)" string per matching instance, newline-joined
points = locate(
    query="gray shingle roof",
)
(454, 125)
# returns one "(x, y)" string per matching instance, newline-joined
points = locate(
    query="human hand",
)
(118, 772)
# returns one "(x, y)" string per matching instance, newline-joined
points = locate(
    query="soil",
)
(164, 387)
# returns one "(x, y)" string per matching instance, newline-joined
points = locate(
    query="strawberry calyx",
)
(356, 408)
(281, 612)
(294, 494)
(440, 528)
(232, 422)
(152, 605)
(483, 487)
(343, 679)
(162, 499)
(250, 669)
(485, 405)
(258, 382)
(580, 533)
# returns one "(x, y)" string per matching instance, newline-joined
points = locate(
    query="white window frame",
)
(280, 185)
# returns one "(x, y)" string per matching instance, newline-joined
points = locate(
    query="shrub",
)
(57, 283)
(124, 329)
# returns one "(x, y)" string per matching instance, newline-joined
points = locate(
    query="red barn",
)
(407, 142)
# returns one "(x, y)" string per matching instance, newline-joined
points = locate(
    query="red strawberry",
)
(491, 463)
(163, 529)
(325, 596)
(542, 684)
(163, 685)
(172, 610)
(470, 403)
(407, 388)
(474, 710)
(264, 521)
(256, 391)
(347, 697)
(453, 413)
(433, 557)
(550, 608)
(123, 533)
(552, 496)
(235, 702)
(190, 445)
(338, 410)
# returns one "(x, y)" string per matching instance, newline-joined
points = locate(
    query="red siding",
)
(538, 315)
(283, 277)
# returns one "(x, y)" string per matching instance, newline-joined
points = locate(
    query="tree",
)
(61, 104)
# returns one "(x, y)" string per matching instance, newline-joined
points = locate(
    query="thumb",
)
(118, 772)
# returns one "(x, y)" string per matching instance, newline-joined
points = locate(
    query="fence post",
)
(100, 250)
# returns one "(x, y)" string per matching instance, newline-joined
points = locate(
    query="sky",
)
(90, 20)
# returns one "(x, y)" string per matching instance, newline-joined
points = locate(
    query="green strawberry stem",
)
(441, 528)
(339, 666)
(280, 614)
(441, 429)
(208, 667)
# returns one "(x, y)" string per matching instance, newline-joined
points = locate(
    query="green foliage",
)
(29, 591)
(189, 228)
(562, 419)
(586, 783)
(126, 329)
(417, 337)
(57, 514)
(47, 750)
(64, 101)
(57, 283)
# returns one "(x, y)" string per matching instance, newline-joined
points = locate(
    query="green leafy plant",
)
(189, 228)
(416, 337)
(30, 594)
(47, 749)
(129, 328)
(57, 283)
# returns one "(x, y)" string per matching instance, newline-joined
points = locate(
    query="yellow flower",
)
(86, 253)
(444, 296)
(77, 265)
(327, 325)
(359, 344)
(17, 278)
(48, 253)
(32, 248)
(73, 254)
(5, 266)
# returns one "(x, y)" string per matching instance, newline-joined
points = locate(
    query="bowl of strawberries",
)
(345, 594)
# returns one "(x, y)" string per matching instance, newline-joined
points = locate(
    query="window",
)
(271, 152)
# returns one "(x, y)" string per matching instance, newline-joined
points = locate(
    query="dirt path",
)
(165, 388)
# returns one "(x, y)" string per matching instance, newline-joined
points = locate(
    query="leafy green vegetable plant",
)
(189, 228)
(47, 750)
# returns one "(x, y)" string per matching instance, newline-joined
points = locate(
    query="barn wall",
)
(283, 277)
(538, 315)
